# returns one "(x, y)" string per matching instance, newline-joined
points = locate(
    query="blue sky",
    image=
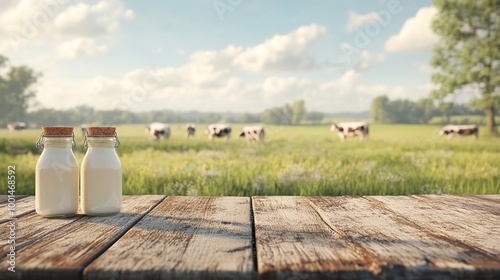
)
(223, 55)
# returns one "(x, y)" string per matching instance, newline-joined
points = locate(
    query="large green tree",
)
(467, 55)
(15, 91)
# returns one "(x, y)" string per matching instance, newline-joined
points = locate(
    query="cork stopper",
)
(57, 131)
(101, 131)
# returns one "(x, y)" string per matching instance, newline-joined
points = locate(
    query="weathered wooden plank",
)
(294, 242)
(4, 198)
(23, 205)
(467, 202)
(32, 227)
(488, 197)
(64, 253)
(183, 238)
(449, 218)
(402, 250)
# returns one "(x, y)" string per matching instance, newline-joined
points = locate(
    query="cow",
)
(460, 130)
(190, 130)
(253, 133)
(218, 130)
(83, 129)
(158, 131)
(16, 126)
(350, 129)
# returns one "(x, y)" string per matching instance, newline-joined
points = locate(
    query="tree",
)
(314, 117)
(299, 111)
(425, 110)
(384, 110)
(445, 109)
(380, 109)
(15, 91)
(467, 57)
(288, 115)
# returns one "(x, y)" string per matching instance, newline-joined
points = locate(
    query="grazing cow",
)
(253, 133)
(218, 130)
(16, 126)
(83, 128)
(158, 130)
(460, 130)
(190, 130)
(350, 129)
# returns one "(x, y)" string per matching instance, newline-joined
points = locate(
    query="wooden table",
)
(158, 237)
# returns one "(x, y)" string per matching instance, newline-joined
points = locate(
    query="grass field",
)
(395, 160)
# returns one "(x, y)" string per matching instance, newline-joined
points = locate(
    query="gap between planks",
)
(104, 248)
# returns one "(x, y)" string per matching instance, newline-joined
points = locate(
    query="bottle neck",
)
(57, 142)
(103, 142)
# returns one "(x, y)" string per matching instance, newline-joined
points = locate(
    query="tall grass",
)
(395, 160)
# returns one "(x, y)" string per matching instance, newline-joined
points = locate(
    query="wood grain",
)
(183, 238)
(294, 242)
(402, 250)
(23, 206)
(448, 217)
(491, 198)
(32, 227)
(64, 253)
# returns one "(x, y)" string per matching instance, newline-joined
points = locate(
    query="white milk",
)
(56, 179)
(101, 176)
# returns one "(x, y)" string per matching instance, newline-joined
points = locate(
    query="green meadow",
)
(300, 160)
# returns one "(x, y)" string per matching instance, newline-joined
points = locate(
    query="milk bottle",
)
(101, 173)
(56, 174)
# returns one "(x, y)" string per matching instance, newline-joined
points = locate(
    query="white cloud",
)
(358, 20)
(73, 30)
(282, 52)
(79, 47)
(416, 34)
(129, 14)
(343, 85)
(368, 60)
(288, 88)
(90, 20)
(210, 74)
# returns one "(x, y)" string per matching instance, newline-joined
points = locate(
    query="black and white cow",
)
(83, 129)
(460, 130)
(190, 130)
(218, 130)
(253, 133)
(16, 126)
(350, 129)
(158, 131)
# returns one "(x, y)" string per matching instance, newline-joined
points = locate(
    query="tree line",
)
(422, 111)
(286, 115)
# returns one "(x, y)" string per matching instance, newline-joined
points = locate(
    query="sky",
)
(221, 55)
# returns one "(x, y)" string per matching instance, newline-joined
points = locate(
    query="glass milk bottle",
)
(101, 173)
(56, 174)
